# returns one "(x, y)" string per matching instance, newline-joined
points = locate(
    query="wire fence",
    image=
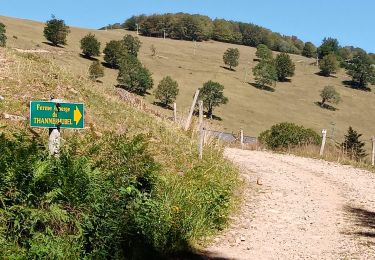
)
(230, 137)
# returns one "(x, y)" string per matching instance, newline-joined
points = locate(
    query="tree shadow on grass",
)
(160, 104)
(325, 106)
(258, 86)
(214, 117)
(196, 256)
(319, 73)
(364, 221)
(109, 66)
(285, 80)
(354, 85)
(227, 68)
(88, 57)
(53, 45)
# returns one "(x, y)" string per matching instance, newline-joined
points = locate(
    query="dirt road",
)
(302, 209)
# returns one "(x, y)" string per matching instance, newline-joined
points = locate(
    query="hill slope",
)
(249, 108)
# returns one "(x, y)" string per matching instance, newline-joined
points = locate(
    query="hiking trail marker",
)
(52, 114)
(56, 114)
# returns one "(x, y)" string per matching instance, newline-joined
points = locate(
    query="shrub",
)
(328, 65)
(90, 46)
(231, 57)
(133, 76)
(3, 37)
(288, 135)
(56, 31)
(167, 91)
(96, 70)
(284, 66)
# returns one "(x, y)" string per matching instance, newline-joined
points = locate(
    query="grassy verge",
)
(155, 183)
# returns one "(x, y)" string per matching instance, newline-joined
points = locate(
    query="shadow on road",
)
(363, 219)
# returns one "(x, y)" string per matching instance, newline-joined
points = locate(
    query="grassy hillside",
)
(190, 199)
(249, 108)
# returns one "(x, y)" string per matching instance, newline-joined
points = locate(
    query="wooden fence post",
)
(324, 132)
(373, 151)
(175, 112)
(201, 130)
(188, 120)
(241, 138)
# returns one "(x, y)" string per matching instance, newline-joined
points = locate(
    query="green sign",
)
(51, 114)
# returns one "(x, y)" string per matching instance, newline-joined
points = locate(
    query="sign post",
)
(54, 115)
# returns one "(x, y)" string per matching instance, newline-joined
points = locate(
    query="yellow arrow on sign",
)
(77, 115)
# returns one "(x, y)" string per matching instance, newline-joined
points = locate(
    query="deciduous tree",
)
(329, 94)
(167, 91)
(56, 31)
(212, 95)
(96, 70)
(284, 66)
(265, 73)
(362, 71)
(231, 57)
(90, 46)
(328, 65)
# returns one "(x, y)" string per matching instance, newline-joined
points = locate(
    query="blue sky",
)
(351, 22)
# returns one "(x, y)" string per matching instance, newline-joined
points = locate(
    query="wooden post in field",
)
(201, 130)
(188, 120)
(324, 132)
(241, 138)
(373, 151)
(174, 112)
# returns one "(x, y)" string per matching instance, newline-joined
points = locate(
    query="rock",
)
(1, 98)
(242, 239)
(13, 117)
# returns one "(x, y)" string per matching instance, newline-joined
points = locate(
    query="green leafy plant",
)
(56, 31)
(90, 46)
(288, 135)
(96, 70)
(231, 57)
(167, 91)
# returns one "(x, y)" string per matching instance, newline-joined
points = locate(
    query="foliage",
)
(309, 50)
(329, 94)
(3, 37)
(212, 96)
(90, 46)
(328, 65)
(353, 146)
(284, 66)
(328, 46)
(231, 57)
(288, 135)
(113, 52)
(96, 70)
(263, 52)
(131, 44)
(167, 90)
(200, 28)
(361, 70)
(265, 73)
(56, 31)
(133, 76)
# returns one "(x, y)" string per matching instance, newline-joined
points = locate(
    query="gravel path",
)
(299, 208)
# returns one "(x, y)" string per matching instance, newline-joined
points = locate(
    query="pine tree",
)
(353, 146)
